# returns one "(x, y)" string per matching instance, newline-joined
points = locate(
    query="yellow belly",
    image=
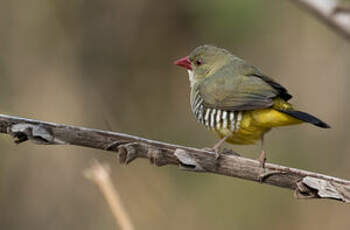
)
(255, 124)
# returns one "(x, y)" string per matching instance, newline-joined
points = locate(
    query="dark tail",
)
(306, 117)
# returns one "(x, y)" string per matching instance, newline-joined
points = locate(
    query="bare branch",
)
(100, 175)
(329, 12)
(305, 184)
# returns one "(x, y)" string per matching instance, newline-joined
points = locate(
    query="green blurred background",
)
(86, 62)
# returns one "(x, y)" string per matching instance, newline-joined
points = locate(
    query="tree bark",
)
(305, 184)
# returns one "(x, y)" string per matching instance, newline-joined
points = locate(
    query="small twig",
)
(128, 148)
(330, 13)
(100, 175)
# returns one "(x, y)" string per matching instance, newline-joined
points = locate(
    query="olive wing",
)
(236, 92)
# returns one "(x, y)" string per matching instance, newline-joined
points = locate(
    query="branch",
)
(329, 12)
(305, 184)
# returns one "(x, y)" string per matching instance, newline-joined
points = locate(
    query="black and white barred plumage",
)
(214, 118)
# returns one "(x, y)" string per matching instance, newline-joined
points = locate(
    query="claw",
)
(215, 150)
(217, 146)
(217, 154)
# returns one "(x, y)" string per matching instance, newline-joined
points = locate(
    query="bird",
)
(236, 100)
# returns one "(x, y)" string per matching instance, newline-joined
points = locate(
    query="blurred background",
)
(109, 65)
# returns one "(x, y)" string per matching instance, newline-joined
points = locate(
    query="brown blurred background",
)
(108, 65)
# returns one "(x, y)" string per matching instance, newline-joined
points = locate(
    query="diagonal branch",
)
(305, 184)
(329, 12)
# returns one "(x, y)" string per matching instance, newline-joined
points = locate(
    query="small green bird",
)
(236, 100)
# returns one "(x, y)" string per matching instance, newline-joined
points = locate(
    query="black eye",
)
(198, 62)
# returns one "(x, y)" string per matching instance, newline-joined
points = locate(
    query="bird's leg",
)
(262, 156)
(218, 145)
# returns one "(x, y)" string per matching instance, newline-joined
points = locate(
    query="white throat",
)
(191, 77)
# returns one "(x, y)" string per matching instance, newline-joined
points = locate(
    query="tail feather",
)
(305, 117)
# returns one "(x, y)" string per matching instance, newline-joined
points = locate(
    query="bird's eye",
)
(198, 62)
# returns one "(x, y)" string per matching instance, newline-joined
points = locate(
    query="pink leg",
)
(218, 145)
(262, 156)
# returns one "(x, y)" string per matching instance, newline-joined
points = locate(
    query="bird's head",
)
(203, 61)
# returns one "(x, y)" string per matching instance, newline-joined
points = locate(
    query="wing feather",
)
(235, 90)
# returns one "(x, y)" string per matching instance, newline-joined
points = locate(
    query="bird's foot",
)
(262, 159)
(217, 154)
(217, 146)
(215, 150)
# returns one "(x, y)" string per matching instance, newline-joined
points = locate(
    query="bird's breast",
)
(240, 126)
(214, 118)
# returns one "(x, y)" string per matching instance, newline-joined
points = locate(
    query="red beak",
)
(184, 62)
